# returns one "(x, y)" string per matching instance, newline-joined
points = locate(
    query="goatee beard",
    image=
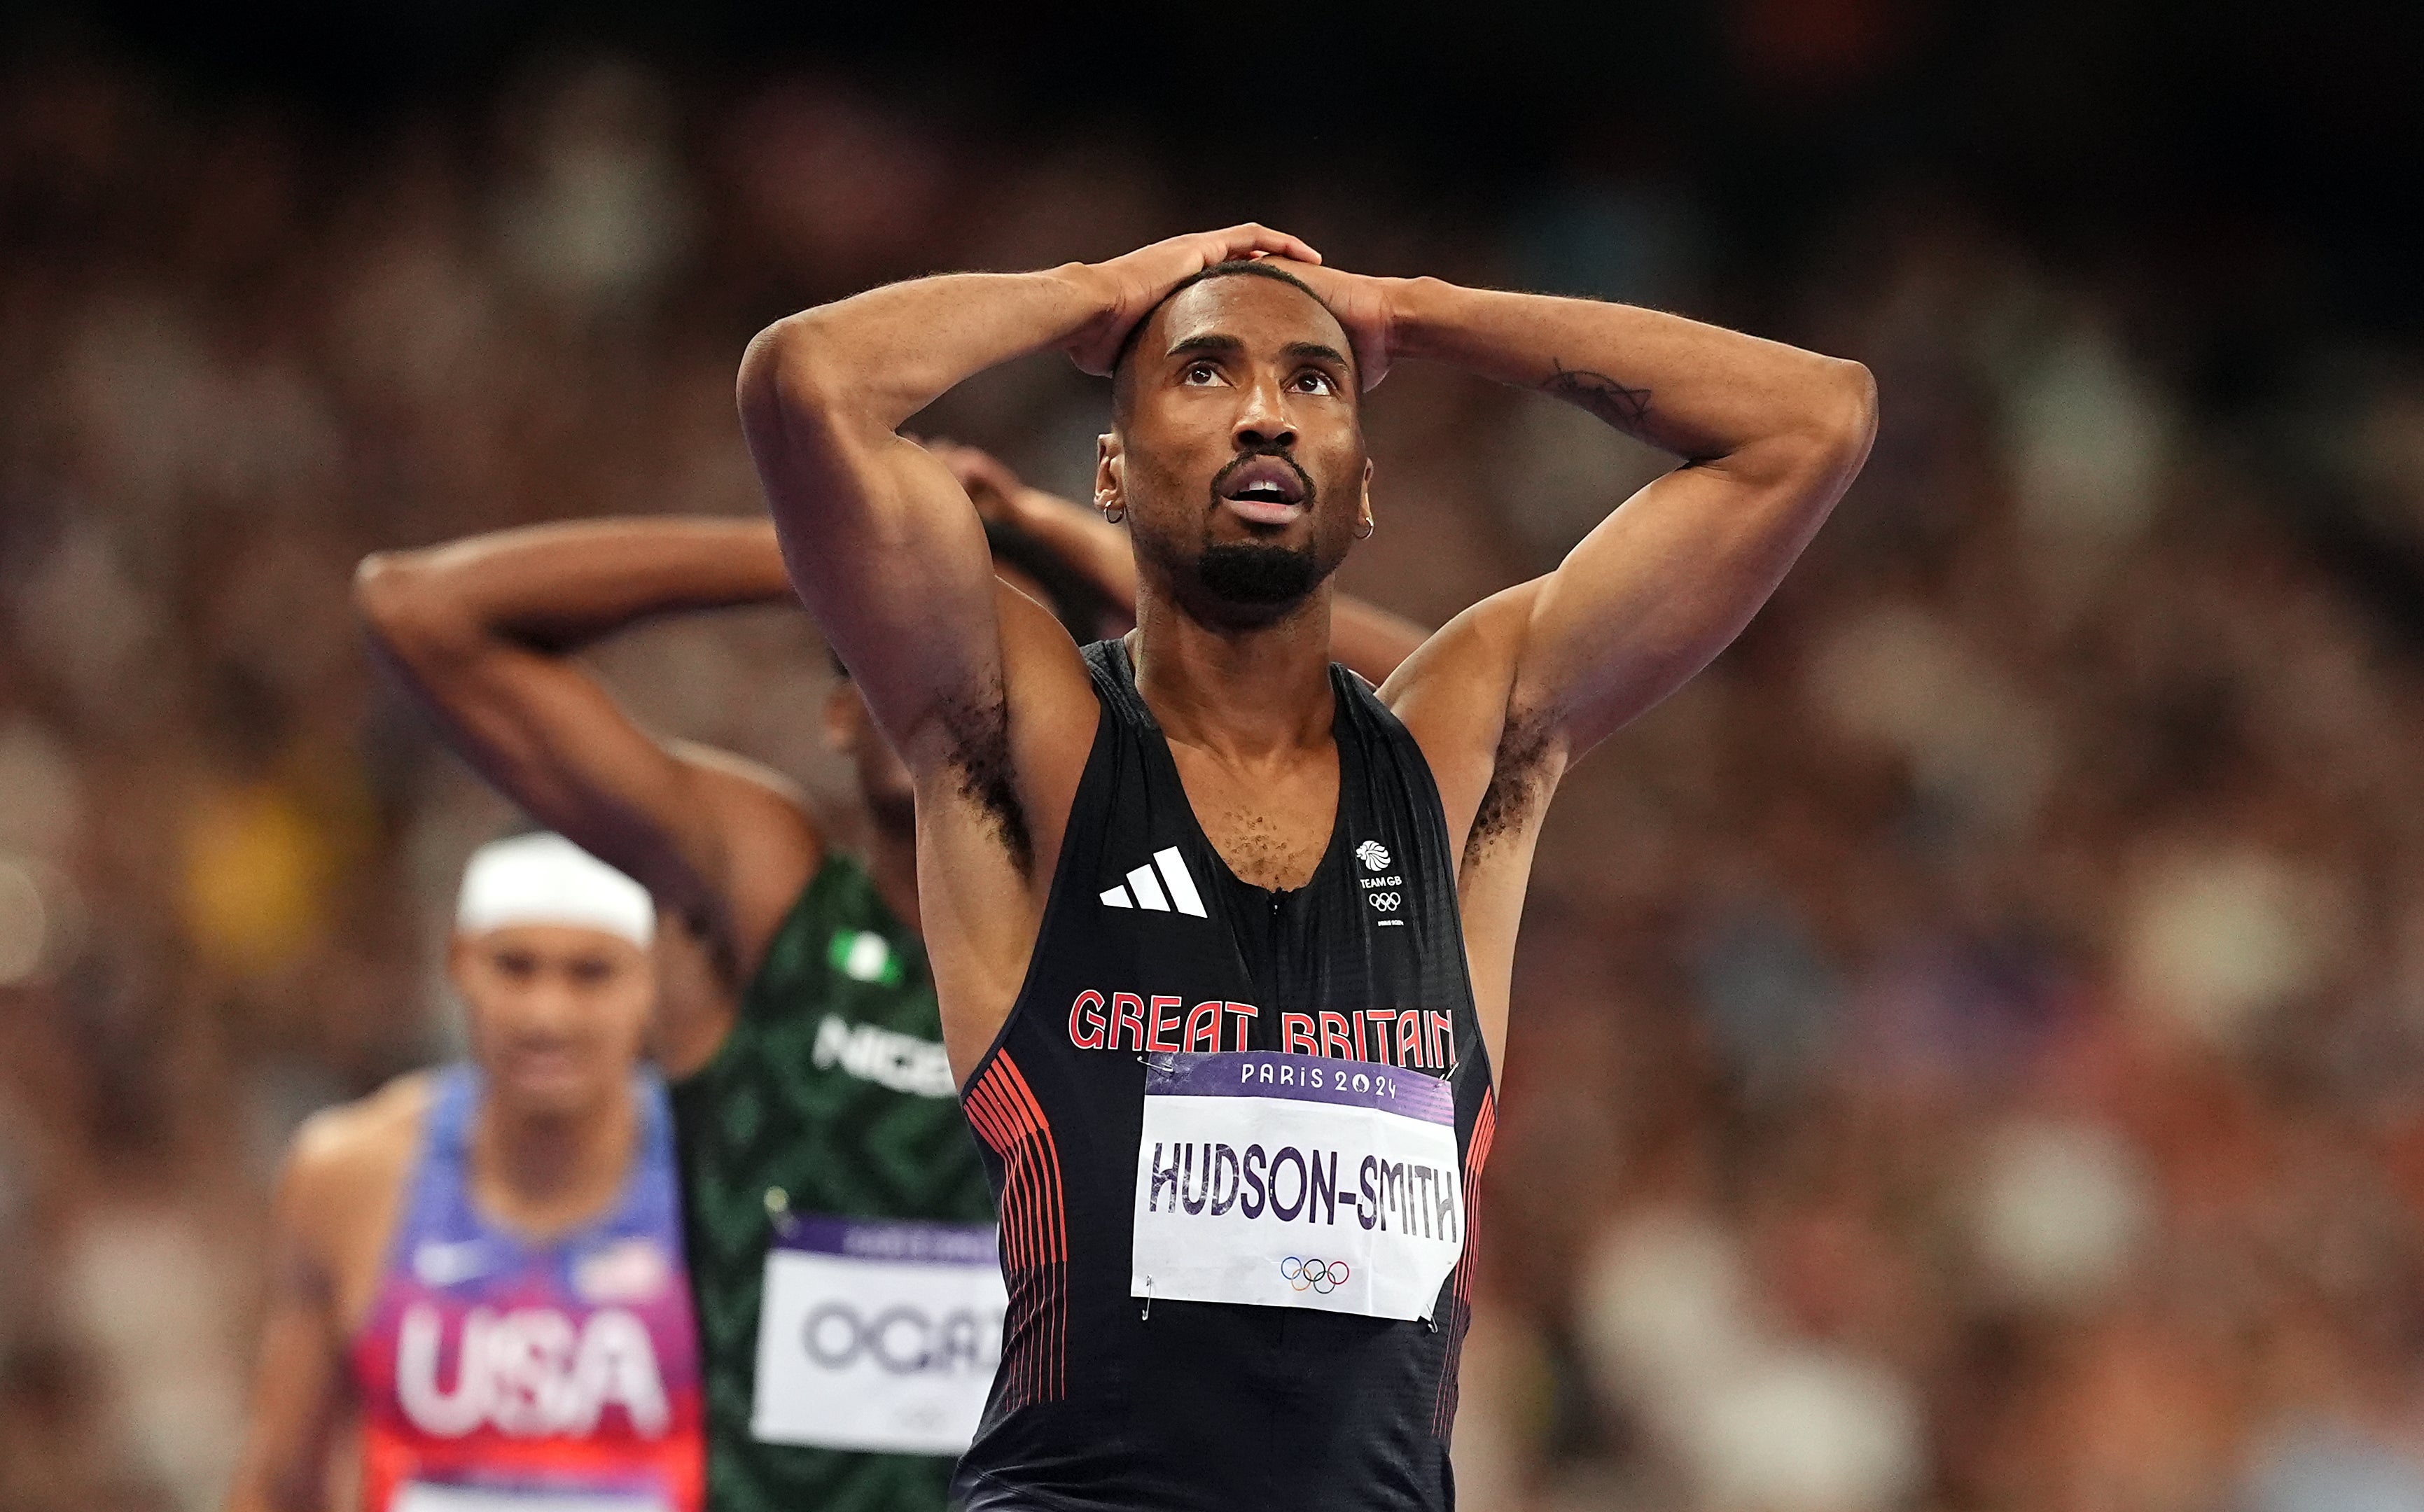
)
(1254, 576)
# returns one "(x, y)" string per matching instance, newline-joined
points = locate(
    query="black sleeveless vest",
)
(1150, 943)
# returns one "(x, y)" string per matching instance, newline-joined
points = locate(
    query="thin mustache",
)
(1280, 452)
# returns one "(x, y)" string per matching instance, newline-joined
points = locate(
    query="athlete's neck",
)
(542, 1173)
(1244, 696)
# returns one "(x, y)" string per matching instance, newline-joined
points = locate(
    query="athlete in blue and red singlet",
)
(484, 1264)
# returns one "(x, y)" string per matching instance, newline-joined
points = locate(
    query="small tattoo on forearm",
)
(1622, 407)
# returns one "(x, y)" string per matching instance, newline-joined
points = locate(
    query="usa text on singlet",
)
(1235, 1135)
(498, 1375)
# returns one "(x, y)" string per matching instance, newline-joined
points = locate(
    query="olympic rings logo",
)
(1385, 902)
(1320, 1275)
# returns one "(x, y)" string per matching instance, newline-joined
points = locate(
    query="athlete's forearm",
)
(878, 534)
(1771, 436)
(853, 370)
(1710, 395)
(556, 587)
(866, 363)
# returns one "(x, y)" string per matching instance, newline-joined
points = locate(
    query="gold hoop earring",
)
(1365, 533)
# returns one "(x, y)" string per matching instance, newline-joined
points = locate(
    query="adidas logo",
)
(1143, 889)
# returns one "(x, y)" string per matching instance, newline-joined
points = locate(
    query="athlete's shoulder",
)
(345, 1174)
(1454, 662)
(1044, 671)
(772, 842)
(370, 1141)
(1457, 696)
(1453, 692)
(840, 893)
(754, 779)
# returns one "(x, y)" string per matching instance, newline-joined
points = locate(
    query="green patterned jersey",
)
(831, 1094)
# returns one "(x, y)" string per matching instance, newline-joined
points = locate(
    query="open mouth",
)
(1266, 490)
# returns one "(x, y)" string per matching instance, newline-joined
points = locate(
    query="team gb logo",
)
(1374, 855)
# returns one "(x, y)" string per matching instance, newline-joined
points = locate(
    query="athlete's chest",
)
(541, 1339)
(862, 1013)
(1202, 909)
(1185, 954)
(1270, 825)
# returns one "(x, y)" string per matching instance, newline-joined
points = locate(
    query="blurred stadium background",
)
(1969, 1049)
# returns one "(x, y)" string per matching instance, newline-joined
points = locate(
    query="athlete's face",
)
(558, 1013)
(1238, 452)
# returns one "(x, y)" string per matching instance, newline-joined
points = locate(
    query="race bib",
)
(879, 1336)
(1294, 1181)
(425, 1496)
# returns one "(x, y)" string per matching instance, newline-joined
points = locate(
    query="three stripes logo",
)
(1158, 886)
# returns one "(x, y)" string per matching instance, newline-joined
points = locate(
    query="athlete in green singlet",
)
(837, 1218)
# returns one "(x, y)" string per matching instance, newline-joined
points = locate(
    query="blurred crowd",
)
(1968, 1047)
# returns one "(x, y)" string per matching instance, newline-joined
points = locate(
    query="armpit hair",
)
(978, 730)
(1518, 783)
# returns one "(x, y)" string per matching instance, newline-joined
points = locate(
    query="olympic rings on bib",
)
(1320, 1275)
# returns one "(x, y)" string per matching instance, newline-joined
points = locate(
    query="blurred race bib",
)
(877, 1335)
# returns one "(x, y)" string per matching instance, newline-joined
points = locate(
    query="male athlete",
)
(1222, 937)
(839, 1223)
(483, 1265)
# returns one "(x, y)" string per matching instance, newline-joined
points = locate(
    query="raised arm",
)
(482, 633)
(1769, 435)
(1369, 640)
(880, 538)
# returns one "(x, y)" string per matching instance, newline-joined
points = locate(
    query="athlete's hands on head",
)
(1363, 304)
(1131, 284)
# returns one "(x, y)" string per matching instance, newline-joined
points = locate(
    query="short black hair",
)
(1254, 268)
(1074, 599)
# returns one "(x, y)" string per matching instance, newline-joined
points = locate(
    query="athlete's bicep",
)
(884, 546)
(1657, 589)
(1511, 692)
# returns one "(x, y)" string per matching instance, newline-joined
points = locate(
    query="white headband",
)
(546, 879)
